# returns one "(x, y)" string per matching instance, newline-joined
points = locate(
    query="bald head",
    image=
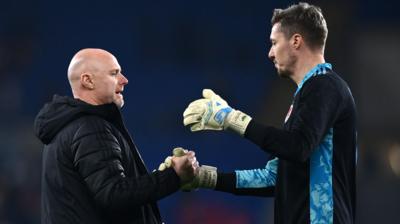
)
(86, 60)
(95, 77)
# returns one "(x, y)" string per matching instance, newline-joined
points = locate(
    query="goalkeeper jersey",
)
(314, 170)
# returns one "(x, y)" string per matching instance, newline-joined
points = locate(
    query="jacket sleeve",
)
(311, 119)
(97, 157)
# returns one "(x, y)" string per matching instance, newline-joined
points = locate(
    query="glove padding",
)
(206, 178)
(213, 113)
(166, 164)
(178, 152)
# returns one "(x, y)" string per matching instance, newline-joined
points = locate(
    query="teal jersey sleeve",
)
(258, 178)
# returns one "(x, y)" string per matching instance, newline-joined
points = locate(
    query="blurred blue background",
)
(170, 51)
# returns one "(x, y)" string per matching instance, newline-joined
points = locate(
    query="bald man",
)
(92, 171)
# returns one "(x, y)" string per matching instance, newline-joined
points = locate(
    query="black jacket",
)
(92, 171)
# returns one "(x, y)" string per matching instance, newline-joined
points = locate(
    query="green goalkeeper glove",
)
(179, 151)
(166, 164)
(213, 113)
(206, 178)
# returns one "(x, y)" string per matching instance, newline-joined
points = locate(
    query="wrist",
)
(207, 177)
(237, 121)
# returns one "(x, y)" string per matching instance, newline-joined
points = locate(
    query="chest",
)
(292, 111)
(130, 156)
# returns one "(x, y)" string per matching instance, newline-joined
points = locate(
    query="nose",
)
(123, 80)
(271, 54)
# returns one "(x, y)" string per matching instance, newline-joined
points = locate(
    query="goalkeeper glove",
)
(166, 164)
(206, 178)
(179, 151)
(213, 113)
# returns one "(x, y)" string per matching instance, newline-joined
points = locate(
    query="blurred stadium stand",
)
(170, 51)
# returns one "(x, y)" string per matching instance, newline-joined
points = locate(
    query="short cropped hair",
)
(304, 19)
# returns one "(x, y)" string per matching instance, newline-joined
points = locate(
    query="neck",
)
(85, 97)
(304, 64)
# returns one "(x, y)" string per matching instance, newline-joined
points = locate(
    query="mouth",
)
(119, 92)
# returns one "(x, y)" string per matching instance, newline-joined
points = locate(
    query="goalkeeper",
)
(312, 176)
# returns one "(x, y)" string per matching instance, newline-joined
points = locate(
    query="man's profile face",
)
(109, 81)
(281, 53)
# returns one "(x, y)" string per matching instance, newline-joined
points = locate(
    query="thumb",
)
(208, 93)
(178, 152)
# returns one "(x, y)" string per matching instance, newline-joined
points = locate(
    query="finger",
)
(192, 119)
(208, 93)
(179, 151)
(196, 165)
(161, 167)
(198, 102)
(194, 161)
(197, 127)
(190, 154)
(194, 109)
(168, 161)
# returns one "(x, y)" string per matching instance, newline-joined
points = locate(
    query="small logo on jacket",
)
(289, 113)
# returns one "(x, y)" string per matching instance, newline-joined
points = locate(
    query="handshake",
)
(208, 113)
(191, 174)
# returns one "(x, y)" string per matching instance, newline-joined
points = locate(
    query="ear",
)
(87, 81)
(296, 41)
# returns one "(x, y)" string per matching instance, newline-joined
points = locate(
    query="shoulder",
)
(329, 84)
(322, 80)
(89, 125)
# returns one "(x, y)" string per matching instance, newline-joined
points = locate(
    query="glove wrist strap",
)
(207, 177)
(237, 121)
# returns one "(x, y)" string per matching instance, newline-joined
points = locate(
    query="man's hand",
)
(213, 113)
(186, 166)
(205, 178)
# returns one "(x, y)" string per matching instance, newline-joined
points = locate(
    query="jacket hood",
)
(61, 111)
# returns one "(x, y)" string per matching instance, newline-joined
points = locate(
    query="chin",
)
(119, 101)
(120, 104)
(284, 73)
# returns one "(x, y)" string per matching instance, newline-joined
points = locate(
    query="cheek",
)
(110, 86)
(108, 89)
(282, 52)
(278, 53)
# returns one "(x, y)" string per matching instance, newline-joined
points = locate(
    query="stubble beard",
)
(119, 101)
(284, 73)
(287, 71)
